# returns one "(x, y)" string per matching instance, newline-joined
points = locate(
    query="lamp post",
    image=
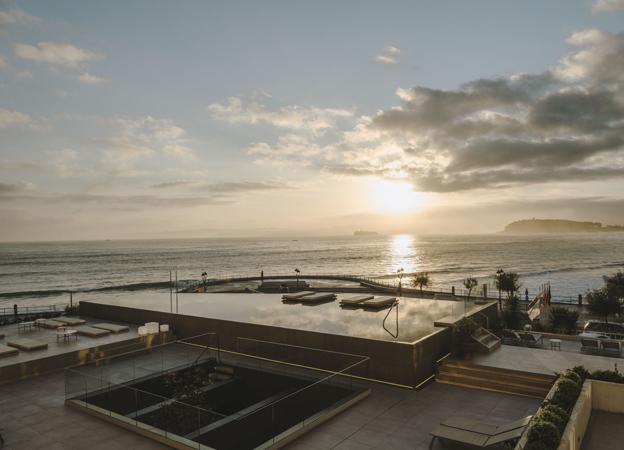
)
(499, 274)
(297, 272)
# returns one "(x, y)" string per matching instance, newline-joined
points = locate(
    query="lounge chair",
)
(27, 345)
(379, 302)
(48, 323)
(318, 297)
(510, 337)
(296, 296)
(5, 351)
(611, 346)
(355, 300)
(531, 339)
(91, 332)
(590, 345)
(479, 434)
(72, 321)
(111, 327)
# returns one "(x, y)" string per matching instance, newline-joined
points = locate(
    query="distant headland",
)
(364, 233)
(558, 226)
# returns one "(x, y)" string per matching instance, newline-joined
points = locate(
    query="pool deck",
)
(544, 360)
(55, 348)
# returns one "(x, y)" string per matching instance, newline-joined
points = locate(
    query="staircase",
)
(486, 342)
(514, 382)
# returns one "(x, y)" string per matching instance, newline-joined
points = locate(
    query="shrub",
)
(560, 421)
(607, 375)
(537, 445)
(566, 393)
(562, 319)
(465, 328)
(545, 433)
(581, 372)
(572, 375)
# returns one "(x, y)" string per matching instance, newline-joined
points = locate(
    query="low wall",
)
(401, 363)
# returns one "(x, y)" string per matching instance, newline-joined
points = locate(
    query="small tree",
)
(297, 272)
(470, 283)
(508, 282)
(614, 285)
(421, 279)
(601, 303)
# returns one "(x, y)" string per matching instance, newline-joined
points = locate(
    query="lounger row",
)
(309, 297)
(602, 346)
(512, 337)
(474, 433)
(367, 301)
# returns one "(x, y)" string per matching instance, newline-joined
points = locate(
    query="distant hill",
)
(558, 226)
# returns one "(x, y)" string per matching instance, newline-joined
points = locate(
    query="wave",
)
(572, 269)
(121, 287)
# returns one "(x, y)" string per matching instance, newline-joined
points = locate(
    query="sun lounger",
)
(27, 345)
(296, 295)
(72, 321)
(318, 297)
(5, 351)
(479, 434)
(510, 337)
(611, 346)
(355, 300)
(378, 302)
(590, 345)
(48, 323)
(531, 339)
(91, 332)
(111, 327)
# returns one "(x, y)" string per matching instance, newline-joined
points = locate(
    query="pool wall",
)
(403, 363)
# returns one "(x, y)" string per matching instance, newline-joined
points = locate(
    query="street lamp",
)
(297, 272)
(400, 273)
(499, 275)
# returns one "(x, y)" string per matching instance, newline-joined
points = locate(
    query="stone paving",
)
(393, 418)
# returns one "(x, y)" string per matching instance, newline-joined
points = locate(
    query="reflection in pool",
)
(416, 316)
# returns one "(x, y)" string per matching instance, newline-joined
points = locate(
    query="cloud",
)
(56, 54)
(7, 189)
(388, 55)
(3, 63)
(15, 16)
(87, 78)
(10, 118)
(171, 184)
(608, 5)
(254, 112)
(236, 187)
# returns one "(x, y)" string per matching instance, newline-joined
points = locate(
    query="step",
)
(496, 372)
(227, 370)
(502, 384)
(492, 389)
(495, 377)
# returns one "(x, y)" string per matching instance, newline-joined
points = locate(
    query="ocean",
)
(573, 264)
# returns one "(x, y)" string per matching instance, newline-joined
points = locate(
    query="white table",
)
(66, 334)
(555, 344)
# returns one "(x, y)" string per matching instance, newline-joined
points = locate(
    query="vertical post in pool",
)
(170, 293)
(176, 280)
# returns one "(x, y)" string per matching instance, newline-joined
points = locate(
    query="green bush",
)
(581, 372)
(545, 433)
(572, 375)
(566, 393)
(537, 445)
(562, 319)
(465, 328)
(553, 416)
(607, 375)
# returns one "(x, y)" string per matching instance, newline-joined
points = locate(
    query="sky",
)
(158, 119)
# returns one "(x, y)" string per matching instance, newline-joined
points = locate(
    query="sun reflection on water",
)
(402, 254)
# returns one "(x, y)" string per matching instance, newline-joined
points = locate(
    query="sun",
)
(395, 197)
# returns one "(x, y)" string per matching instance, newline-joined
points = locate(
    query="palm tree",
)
(400, 273)
(470, 283)
(421, 279)
(297, 272)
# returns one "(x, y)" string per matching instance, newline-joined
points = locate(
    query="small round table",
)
(555, 344)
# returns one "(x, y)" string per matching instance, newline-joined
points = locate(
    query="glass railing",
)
(197, 394)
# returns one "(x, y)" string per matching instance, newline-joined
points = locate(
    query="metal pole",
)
(176, 280)
(170, 293)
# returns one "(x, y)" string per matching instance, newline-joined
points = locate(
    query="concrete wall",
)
(406, 364)
(574, 432)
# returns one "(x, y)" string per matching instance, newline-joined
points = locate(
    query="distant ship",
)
(362, 233)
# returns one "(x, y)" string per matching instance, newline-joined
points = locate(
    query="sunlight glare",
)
(395, 197)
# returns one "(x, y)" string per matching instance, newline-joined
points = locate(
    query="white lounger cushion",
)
(318, 297)
(378, 302)
(296, 295)
(356, 299)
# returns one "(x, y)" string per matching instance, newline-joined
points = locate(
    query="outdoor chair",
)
(531, 339)
(612, 347)
(510, 337)
(479, 434)
(590, 345)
